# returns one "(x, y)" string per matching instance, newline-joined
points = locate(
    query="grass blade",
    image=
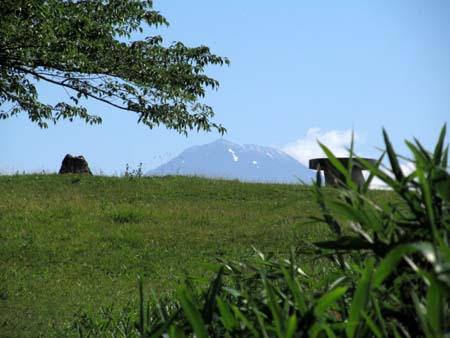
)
(141, 308)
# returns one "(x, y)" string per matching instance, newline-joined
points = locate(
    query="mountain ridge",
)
(228, 160)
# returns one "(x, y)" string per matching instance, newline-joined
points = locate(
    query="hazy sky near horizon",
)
(300, 71)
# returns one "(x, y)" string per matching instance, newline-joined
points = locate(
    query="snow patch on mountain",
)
(235, 158)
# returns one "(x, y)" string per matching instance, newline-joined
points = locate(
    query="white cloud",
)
(408, 168)
(306, 148)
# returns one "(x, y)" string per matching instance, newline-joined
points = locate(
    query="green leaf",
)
(338, 166)
(379, 316)
(263, 326)
(360, 300)
(377, 172)
(174, 332)
(328, 299)
(437, 156)
(226, 317)
(421, 312)
(396, 169)
(427, 198)
(440, 179)
(210, 297)
(390, 262)
(350, 157)
(372, 173)
(192, 313)
(444, 161)
(235, 293)
(318, 327)
(345, 243)
(296, 292)
(272, 303)
(427, 158)
(158, 330)
(291, 326)
(244, 320)
(434, 313)
(351, 212)
(372, 325)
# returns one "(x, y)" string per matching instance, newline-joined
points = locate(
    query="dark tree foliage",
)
(86, 47)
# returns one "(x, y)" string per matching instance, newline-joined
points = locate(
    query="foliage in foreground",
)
(387, 271)
(87, 49)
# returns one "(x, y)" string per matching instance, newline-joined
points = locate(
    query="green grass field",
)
(72, 244)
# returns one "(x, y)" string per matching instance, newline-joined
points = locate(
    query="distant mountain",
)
(224, 159)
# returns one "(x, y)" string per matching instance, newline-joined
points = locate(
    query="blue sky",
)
(300, 70)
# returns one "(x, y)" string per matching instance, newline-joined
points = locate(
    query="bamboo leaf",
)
(396, 169)
(420, 160)
(427, 198)
(351, 212)
(291, 326)
(244, 320)
(226, 317)
(372, 174)
(434, 308)
(210, 297)
(440, 179)
(437, 156)
(421, 312)
(345, 243)
(174, 332)
(192, 313)
(272, 303)
(444, 161)
(389, 263)
(159, 330)
(360, 300)
(372, 325)
(424, 153)
(328, 300)
(294, 288)
(377, 172)
(339, 167)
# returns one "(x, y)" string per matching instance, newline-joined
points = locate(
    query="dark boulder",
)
(74, 165)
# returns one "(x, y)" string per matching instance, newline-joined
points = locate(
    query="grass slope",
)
(70, 243)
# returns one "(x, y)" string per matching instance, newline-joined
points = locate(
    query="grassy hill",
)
(71, 244)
